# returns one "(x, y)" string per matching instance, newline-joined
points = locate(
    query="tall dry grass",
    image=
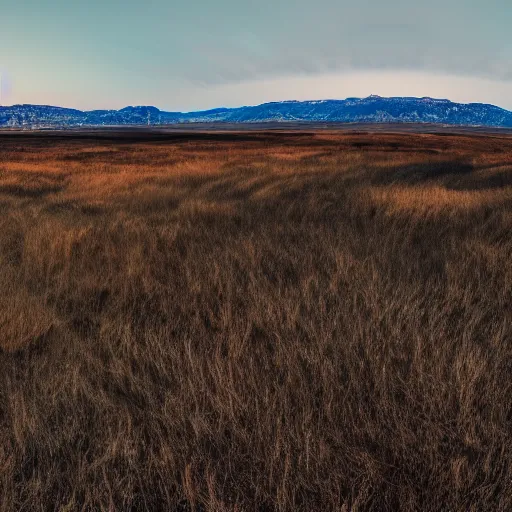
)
(256, 321)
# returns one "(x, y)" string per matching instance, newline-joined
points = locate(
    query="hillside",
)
(373, 109)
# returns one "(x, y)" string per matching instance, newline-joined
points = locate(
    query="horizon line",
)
(254, 105)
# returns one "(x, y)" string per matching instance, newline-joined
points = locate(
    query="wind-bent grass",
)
(263, 321)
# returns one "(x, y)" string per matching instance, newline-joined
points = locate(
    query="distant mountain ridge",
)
(373, 109)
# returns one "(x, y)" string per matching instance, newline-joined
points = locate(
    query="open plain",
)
(273, 320)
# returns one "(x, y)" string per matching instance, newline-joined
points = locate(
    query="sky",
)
(183, 55)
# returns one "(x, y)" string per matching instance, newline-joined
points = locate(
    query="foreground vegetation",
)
(256, 321)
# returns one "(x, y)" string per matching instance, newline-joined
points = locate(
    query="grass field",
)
(258, 321)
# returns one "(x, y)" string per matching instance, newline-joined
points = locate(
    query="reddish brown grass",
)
(256, 321)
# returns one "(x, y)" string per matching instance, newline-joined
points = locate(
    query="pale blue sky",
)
(186, 55)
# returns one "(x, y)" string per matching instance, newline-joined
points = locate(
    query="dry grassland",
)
(256, 321)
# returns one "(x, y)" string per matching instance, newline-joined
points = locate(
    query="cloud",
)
(228, 65)
(439, 36)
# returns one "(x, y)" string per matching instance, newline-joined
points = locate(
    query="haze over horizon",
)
(201, 55)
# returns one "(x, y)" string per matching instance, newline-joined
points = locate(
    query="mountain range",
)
(373, 109)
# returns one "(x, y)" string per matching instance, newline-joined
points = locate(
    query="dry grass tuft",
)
(436, 199)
